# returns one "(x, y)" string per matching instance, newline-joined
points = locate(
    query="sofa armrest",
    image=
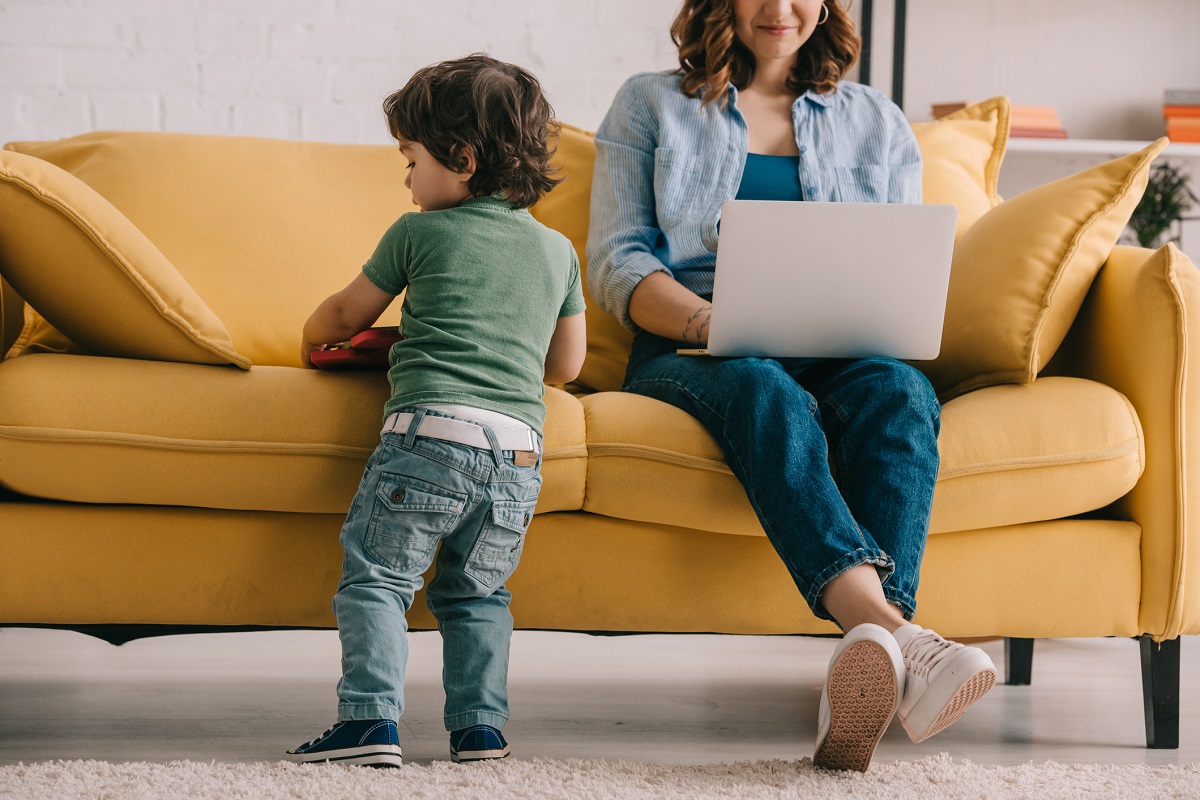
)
(1135, 333)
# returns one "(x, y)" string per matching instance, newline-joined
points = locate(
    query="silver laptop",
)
(830, 280)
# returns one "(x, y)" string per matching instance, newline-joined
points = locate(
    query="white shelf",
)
(1098, 147)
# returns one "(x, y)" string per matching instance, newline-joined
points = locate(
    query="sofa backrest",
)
(566, 210)
(262, 229)
(265, 229)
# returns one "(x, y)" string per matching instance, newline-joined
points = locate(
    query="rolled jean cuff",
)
(469, 718)
(902, 601)
(882, 562)
(365, 711)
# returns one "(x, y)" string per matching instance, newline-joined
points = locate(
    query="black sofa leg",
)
(1018, 661)
(1160, 692)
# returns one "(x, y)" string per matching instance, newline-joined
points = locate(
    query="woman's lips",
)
(775, 30)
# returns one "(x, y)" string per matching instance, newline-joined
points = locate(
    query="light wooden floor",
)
(669, 698)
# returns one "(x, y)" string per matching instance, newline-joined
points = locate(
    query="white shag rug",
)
(538, 779)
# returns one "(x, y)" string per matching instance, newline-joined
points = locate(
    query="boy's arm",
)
(568, 346)
(344, 314)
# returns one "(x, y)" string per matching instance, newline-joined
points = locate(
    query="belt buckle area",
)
(525, 458)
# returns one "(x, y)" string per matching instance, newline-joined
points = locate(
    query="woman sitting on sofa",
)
(757, 111)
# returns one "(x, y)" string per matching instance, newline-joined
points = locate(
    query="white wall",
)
(318, 69)
(298, 69)
(1103, 63)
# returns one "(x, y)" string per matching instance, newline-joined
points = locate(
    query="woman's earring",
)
(825, 18)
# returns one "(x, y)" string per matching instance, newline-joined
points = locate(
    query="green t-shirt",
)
(486, 284)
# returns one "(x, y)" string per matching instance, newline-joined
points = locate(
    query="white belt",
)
(468, 433)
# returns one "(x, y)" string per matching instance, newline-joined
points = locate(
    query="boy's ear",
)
(464, 161)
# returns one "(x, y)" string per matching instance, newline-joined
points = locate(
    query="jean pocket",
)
(865, 184)
(495, 554)
(409, 518)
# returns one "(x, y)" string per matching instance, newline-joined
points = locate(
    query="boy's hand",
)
(306, 350)
(342, 315)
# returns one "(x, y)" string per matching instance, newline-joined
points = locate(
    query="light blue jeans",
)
(838, 457)
(419, 493)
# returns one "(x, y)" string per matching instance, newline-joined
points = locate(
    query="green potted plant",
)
(1166, 200)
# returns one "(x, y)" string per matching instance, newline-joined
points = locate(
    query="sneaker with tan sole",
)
(942, 679)
(862, 692)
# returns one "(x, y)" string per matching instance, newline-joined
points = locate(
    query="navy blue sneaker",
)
(367, 742)
(477, 743)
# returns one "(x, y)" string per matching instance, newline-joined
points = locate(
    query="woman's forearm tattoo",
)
(696, 328)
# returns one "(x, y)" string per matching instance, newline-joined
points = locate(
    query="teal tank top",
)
(770, 178)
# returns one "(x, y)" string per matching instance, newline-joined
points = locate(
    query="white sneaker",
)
(942, 679)
(862, 691)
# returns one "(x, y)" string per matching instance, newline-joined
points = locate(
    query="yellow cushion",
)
(94, 275)
(962, 153)
(265, 439)
(1063, 446)
(566, 209)
(1020, 273)
(263, 229)
(12, 318)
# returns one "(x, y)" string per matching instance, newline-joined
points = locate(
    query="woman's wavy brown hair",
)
(493, 110)
(711, 56)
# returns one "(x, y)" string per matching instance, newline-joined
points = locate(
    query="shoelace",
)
(925, 650)
(317, 740)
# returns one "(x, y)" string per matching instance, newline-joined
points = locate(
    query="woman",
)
(756, 111)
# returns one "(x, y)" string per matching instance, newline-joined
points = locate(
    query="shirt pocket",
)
(409, 518)
(494, 556)
(676, 185)
(864, 184)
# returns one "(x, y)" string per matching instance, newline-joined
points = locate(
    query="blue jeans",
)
(838, 457)
(418, 493)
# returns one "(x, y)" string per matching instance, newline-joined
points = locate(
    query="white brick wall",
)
(318, 69)
(298, 69)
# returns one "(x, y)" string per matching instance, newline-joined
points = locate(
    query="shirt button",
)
(812, 191)
(803, 148)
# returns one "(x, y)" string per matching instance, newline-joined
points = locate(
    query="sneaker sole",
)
(478, 755)
(863, 696)
(976, 687)
(387, 755)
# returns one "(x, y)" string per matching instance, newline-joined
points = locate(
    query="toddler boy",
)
(492, 310)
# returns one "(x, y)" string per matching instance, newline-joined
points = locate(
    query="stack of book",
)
(1181, 110)
(1027, 121)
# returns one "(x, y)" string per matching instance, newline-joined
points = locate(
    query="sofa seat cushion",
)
(1009, 454)
(103, 430)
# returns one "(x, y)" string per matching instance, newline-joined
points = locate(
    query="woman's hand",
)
(661, 305)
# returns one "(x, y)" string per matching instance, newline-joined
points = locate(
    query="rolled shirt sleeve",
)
(624, 225)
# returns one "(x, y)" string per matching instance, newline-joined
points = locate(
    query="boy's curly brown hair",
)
(711, 56)
(492, 110)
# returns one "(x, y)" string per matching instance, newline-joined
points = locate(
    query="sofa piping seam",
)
(28, 434)
(1113, 453)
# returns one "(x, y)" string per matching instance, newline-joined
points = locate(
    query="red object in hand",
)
(376, 338)
(366, 350)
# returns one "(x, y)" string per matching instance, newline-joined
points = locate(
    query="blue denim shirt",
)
(665, 163)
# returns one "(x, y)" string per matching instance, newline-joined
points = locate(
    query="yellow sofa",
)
(164, 461)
